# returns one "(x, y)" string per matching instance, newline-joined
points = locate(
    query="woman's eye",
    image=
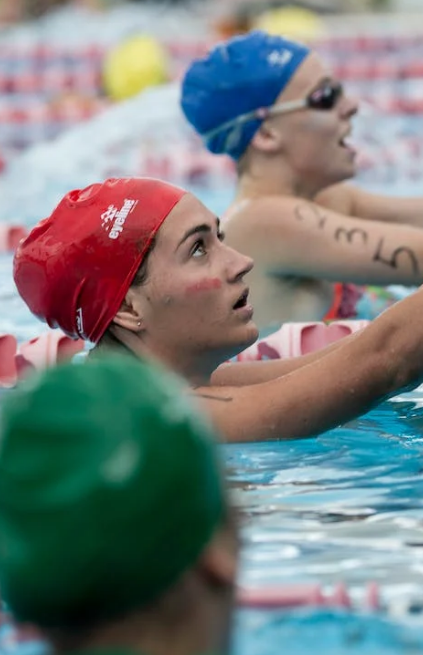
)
(199, 249)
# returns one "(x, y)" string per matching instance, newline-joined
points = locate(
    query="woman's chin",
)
(251, 336)
(348, 170)
(242, 341)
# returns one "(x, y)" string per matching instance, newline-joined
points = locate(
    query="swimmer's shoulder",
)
(285, 212)
(338, 198)
(255, 219)
(251, 211)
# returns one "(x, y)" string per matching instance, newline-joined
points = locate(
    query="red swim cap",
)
(74, 268)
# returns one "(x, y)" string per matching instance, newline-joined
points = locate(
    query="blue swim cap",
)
(237, 77)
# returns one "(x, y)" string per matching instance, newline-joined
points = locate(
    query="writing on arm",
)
(393, 258)
(358, 236)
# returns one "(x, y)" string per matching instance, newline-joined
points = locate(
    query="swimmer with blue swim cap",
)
(275, 108)
(219, 98)
(115, 533)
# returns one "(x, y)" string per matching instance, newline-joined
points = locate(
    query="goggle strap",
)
(260, 114)
(264, 112)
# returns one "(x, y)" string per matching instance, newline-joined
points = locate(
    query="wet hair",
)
(109, 340)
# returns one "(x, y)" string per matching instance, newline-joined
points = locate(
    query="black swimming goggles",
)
(323, 98)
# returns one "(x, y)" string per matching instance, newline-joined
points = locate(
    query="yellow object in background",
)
(292, 22)
(131, 67)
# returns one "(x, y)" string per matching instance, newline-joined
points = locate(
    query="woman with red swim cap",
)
(141, 264)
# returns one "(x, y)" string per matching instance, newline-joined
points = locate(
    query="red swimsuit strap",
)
(332, 314)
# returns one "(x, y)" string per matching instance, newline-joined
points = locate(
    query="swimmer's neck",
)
(196, 370)
(144, 633)
(193, 367)
(271, 176)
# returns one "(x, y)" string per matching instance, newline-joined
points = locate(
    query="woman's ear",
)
(129, 314)
(268, 138)
(219, 560)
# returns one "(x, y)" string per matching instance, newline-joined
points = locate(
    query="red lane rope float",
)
(10, 235)
(294, 339)
(39, 353)
(8, 371)
(308, 595)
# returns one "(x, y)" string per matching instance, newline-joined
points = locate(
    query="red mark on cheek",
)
(208, 284)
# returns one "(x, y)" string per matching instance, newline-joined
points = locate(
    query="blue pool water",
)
(348, 507)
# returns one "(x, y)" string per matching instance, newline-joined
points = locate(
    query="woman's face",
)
(194, 302)
(313, 140)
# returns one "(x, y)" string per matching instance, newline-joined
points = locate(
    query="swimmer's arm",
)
(357, 202)
(380, 360)
(295, 237)
(389, 209)
(241, 374)
(338, 198)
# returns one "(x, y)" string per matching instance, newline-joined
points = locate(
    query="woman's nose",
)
(242, 264)
(348, 106)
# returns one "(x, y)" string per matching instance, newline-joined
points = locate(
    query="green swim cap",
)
(110, 489)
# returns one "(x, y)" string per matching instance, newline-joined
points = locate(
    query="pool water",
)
(347, 506)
